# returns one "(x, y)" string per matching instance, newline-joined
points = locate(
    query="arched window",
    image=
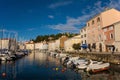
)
(82, 42)
(92, 22)
(111, 36)
(98, 19)
(85, 42)
(88, 24)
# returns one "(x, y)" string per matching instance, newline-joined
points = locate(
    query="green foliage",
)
(76, 46)
(40, 38)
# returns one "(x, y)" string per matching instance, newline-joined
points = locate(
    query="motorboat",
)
(80, 63)
(96, 66)
(82, 66)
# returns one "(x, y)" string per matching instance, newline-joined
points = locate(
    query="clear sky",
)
(30, 18)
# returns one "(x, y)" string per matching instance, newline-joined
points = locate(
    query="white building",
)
(30, 45)
(45, 46)
(38, 46)
(51, 46)
(6, 43)
(57, 44)
(21, 45)
(83, 35)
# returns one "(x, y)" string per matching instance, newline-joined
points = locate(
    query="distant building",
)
(30, 45)
(41, 46)
(62, 40)
(51, 46)
(45, 46)
(38, 46)
(69, 43)
(7, 43)
(21, 45)
(57, 44)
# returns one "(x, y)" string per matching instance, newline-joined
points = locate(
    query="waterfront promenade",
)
(100, 56)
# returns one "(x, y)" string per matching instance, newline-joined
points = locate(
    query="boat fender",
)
(3, 74)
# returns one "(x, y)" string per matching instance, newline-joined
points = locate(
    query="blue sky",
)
(30, 18)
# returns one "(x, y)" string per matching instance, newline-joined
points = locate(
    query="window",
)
(84, 29)
(105, 29)
(92, 22)
(82, 42)
(81, 36)
(111, 36)
(98, 19)
(111, 28)
(85, 41)
(88, 24)
(84, 35)
(94, 45)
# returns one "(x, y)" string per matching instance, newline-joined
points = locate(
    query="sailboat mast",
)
(2, 39)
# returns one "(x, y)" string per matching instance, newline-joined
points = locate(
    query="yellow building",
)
(69, 43)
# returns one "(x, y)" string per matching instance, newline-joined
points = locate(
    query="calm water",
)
(39, 66)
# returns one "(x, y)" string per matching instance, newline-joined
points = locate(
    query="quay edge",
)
(111, 58)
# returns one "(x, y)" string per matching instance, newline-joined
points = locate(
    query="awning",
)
(84, 46)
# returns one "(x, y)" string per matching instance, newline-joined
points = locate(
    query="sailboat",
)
(5, 49)
(2, 55)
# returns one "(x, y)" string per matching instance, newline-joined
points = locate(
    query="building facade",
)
(68, 44)
(109, 37)
(51, 46)
(95, 28)
(30, 45)
(62, 40)
(57, 44)
(117, 36)
(7, 43)
(83, 35)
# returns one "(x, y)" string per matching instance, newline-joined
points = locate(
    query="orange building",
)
(109, 37)
(62, 40)
(95, 29)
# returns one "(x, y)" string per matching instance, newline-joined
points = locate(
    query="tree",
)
(76, 46)
(40, 38)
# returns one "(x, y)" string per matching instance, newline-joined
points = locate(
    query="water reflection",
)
(39, 66)
(7, 70)
(111, 74)
(36, 66)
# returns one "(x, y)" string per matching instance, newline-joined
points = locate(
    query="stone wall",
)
(112, 58)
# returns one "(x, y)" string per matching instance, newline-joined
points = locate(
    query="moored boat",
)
(96, 66)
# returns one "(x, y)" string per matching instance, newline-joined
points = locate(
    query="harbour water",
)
(39, 66)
